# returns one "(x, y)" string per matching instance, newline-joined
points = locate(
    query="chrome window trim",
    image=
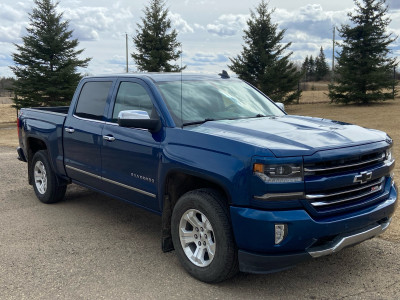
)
(112, 181)
(116, 124)
(86, 119)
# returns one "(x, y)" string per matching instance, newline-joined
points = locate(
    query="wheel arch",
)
(178, 182)
(33, 145)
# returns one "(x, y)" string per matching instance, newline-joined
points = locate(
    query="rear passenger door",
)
(83, 133)
(130, 156)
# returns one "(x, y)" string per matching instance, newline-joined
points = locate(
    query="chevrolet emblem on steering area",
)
(363, 177)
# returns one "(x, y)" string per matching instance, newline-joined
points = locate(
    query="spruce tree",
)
(364, 71)
(321, 66)
(156, 44)
(264, 60)
(304, 68)
(311, 68)
(46, 63)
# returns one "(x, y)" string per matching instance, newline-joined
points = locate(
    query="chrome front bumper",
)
(349, 239)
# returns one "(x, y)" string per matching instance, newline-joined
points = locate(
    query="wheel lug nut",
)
(199, 243)
(195, 236)
(201, 229)
(205, 236)
(204, 243)
(197, 229)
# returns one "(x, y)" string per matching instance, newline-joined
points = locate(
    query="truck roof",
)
(162, 77)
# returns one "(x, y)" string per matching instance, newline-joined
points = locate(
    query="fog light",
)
(280, 233)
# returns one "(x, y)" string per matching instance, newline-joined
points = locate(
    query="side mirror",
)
(138, 119)
(280, 105)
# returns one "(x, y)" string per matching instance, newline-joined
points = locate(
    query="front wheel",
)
(45, 183)
(202, 236)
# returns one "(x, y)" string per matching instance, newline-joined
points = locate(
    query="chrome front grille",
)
(346, 195)
(343, 165)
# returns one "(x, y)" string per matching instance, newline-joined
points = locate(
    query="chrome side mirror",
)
(138, 119)
(133, 114)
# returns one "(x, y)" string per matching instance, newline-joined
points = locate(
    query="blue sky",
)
(210, 30)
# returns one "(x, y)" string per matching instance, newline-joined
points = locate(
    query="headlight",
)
(279, 173)
(389, 155)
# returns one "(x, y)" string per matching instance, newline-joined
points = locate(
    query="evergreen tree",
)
(264, 60)
(46, 63)
(321, 67)
(311, 69)
(364, 71)
(155, 42)
(304, 68)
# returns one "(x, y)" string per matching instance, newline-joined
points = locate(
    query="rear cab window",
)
(92, 100)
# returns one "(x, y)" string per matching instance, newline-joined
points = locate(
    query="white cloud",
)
(179, 23)
(8, 13)
(208, 57)
(11, 33)
(393, 4)
(309, 20)
(228, 25)
(198, 26)
(87, 22)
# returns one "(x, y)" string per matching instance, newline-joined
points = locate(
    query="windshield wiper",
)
(197, 122)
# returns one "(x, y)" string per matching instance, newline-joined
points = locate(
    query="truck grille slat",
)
(349, 194)
(343, 165)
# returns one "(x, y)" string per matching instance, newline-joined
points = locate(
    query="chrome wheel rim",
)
(40, 177)
(197, 238)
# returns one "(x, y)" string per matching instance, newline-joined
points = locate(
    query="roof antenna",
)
(224, 74)
(181, 89)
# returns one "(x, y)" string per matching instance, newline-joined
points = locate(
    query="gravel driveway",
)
(93, 247)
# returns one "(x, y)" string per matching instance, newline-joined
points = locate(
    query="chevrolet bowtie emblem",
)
(363, 177)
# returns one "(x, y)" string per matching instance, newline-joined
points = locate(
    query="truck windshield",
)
(205, 100)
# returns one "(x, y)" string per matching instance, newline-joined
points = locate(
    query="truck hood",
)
(291, 135)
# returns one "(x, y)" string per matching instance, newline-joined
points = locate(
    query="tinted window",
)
(92, 100)
(132, 96)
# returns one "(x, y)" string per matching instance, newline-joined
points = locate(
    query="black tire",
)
(45, 183)
(218, 260)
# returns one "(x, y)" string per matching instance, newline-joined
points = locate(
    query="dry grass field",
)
(382, 116)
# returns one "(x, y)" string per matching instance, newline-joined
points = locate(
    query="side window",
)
(132, 96)
(92, 100)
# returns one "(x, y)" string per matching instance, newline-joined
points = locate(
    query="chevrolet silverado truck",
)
(238, 183)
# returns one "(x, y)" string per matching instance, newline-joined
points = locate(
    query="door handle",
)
(69, 130)
(108, 138)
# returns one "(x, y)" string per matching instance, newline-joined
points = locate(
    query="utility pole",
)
(126, 42)
(333, 53)
(394, 80)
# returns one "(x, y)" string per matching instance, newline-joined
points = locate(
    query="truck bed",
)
(55, 109)
(47, 125)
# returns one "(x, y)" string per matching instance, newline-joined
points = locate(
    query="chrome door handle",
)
(69, 130)
(108, 138)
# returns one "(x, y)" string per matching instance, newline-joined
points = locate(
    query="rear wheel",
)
(202, 236)
(45, 183)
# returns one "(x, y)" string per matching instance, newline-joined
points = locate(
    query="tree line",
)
(47, 61)
(315, 69)
(6, 86)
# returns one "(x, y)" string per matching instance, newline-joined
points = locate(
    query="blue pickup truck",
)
(239, 184)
